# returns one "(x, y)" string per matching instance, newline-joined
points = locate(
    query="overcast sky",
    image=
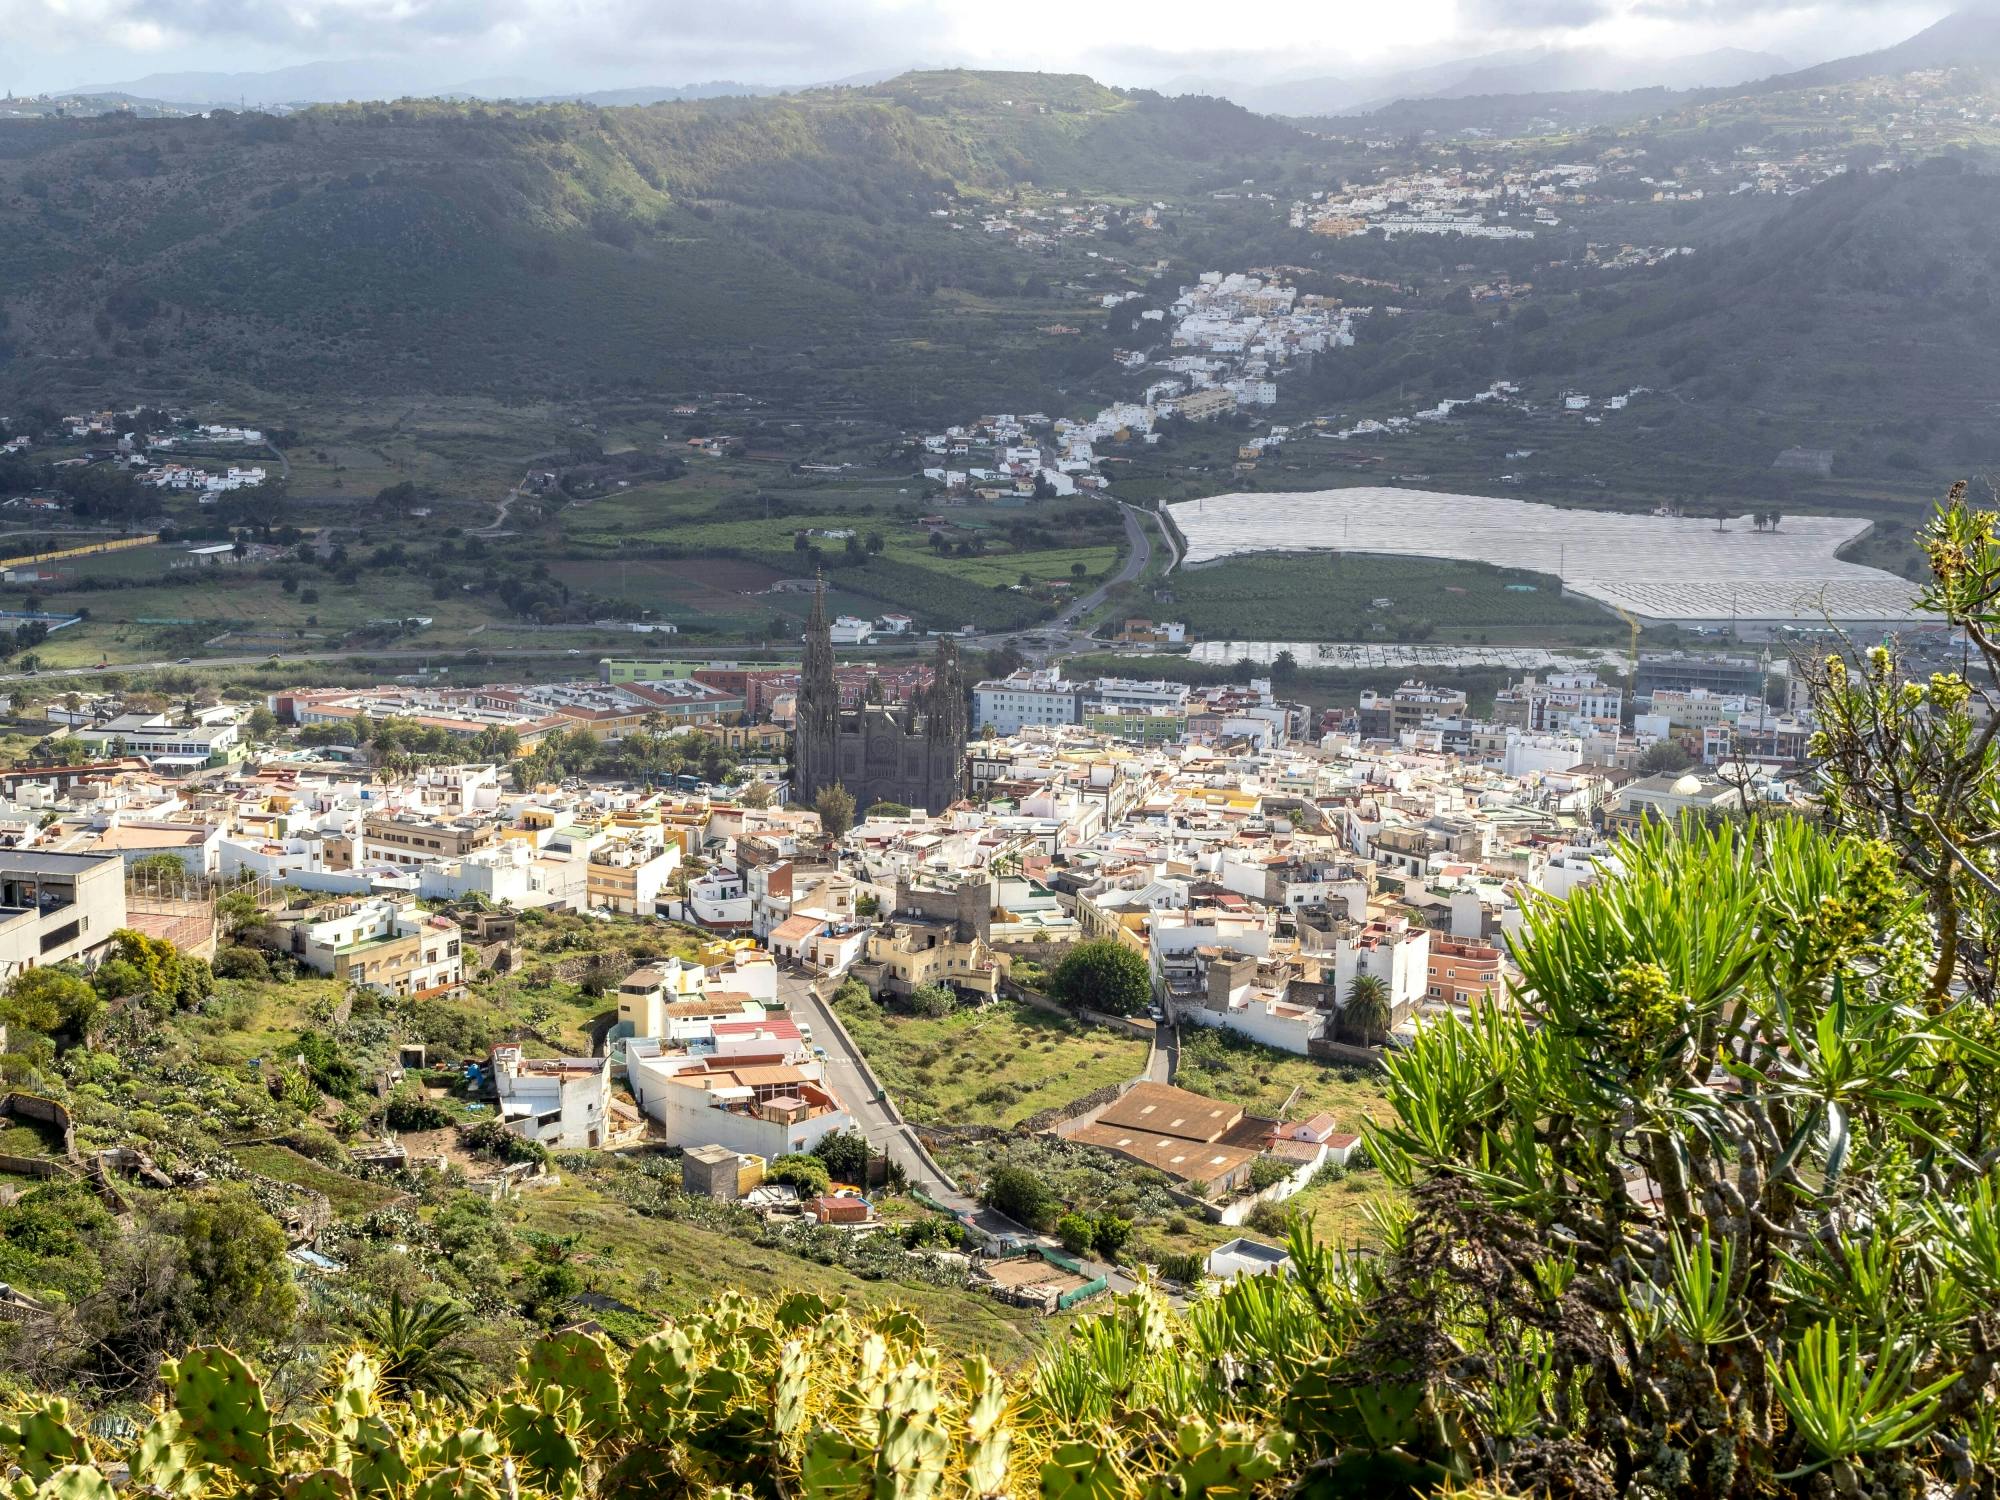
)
(573, 44)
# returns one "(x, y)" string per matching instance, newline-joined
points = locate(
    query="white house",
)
(560, 1102)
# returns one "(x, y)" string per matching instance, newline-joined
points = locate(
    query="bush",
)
(415, 1112)
(1110, 1234)
(1271, 1219)
(239, 962)
(845, 1153)
(806, 1173)
(1186, 1269)
(1076, 1231)
(1269, 1171)
(932, 1229)
(1103, 975)
(1021, 1196)
(491, 1138)
(932, 1001)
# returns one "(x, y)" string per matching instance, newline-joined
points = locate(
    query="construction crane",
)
(1632, 621)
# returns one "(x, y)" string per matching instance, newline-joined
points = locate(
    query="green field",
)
(1332, 597)
(615, 1250)
(991, 1065)
(745, 527)
(1225, 1066)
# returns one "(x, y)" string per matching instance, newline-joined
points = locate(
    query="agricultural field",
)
(1666, 567)
(1322, 596)
(990, 1065)
(1265, 1081)
(759, 527)
(350, 1196)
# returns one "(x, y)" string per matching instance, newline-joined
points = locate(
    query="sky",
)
(550, 45)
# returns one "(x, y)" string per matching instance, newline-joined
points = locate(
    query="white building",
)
(559, 1102)
(753, 1087)
(1035, 696)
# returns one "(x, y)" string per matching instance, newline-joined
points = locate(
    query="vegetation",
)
(1103, 975)
(994, 1064)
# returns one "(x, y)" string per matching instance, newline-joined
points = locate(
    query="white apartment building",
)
(1032, 697)
(57, 906)
(382, 944)
(1121, 694)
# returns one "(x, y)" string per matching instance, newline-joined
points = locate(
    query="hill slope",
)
(460, 247)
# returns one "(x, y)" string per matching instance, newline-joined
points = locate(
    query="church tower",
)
(817, 726)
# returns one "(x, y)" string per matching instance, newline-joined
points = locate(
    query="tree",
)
(241, 963)
(835, 806)
(845, 1153)
(238, 1286)
(238, 911)
(756, 794)
(1367, 1015)
(53, 1001)
(421, 1347)
(1663, 756)
(1075, 1232)
(262, 725)
(1021, 1196)
(1103, 975)
(932, 1001)
(1110, 1235)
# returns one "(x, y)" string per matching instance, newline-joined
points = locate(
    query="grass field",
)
(1262, 1079)
(995, 1065)
(615, 1249)
(739, 514)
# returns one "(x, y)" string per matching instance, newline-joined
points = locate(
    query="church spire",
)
(818, 713)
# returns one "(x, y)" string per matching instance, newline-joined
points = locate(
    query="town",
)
(831, 857)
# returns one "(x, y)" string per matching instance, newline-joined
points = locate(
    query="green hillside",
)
(440, 247)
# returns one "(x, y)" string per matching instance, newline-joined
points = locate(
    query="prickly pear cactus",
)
(41, 1439)
(911, 1444)
(317, 1484)
(223, 1415)
(456, 1483)
(1231, 1459)
(1081, 1471)
(987, 1436)
(789, 1391)
(584, 1365)
(75, 1482)
(357, 1394)
(162, 1463)
(659, 1380)
(541, 1429)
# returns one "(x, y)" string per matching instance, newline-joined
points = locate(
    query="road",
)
(850, 1084)
(1138, 556)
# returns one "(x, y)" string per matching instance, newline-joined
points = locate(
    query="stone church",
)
(912, 753)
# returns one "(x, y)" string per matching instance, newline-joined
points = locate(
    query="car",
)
(820, 1053)
(183, 661)
(573, 651)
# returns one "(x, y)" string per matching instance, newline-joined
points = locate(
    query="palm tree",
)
(418, 1347)
(1367, 1014)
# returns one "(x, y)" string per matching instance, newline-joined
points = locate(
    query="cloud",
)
(750, 36)
(577, 43)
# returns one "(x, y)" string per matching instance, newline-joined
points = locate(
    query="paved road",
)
(1139, 553)
(896, 1141)
(1166, 1059)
